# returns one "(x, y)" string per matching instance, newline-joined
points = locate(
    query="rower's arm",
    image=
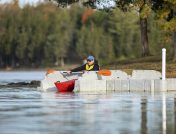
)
(96, 67)
(81, 68)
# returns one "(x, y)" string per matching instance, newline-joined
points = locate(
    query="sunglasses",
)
(89, 60)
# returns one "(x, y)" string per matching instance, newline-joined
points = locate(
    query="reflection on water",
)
(26, 111)
(144, 115)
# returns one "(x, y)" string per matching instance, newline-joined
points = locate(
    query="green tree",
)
(94, 41)
(60, 38)
(124, 29)
(9, 27)
(142, 6)
(166, 16)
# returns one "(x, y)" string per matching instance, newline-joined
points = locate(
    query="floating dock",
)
(125, 85)
(91, 81)
(140, 80)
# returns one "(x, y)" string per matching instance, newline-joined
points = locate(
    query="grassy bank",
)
(147, 63)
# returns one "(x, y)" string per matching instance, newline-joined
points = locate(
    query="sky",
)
(22, 2)
(103, 4)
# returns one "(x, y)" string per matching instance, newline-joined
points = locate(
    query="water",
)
(26, 111)
(22, 76)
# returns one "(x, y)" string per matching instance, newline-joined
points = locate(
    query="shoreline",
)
(22, 70)
(66, 67)
(150, 63)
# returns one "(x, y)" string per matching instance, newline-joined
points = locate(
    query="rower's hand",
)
(85, 71)
(69, 72)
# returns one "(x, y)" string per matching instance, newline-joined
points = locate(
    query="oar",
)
(50, 71)
(100, 72)
(66, 72)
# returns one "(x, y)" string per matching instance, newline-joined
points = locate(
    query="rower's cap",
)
(90, 57)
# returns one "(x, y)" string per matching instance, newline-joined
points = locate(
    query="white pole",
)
(163, 64)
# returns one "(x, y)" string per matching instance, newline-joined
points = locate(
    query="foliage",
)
(47, 35)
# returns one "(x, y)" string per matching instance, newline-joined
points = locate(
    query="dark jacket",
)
(83, 67)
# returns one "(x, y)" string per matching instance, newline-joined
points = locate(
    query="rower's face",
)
(90, 62)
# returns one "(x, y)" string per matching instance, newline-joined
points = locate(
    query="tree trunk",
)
(62, 62)
(57, 61)
(144, 37)
(12, 61)
(1, 64)
(174, 43)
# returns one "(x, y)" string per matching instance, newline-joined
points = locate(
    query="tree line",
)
(47, 35)
(165, 13)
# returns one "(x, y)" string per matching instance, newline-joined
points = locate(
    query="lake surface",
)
(28, 111)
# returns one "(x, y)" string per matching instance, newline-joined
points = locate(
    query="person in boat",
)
(91, 65)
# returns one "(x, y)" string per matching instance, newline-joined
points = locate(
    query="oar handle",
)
(100, 72)
(66, 72)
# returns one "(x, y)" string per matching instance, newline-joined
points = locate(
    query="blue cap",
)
(90, 57)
